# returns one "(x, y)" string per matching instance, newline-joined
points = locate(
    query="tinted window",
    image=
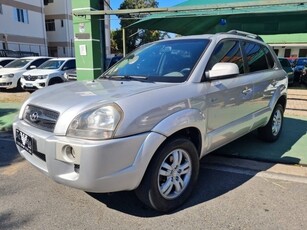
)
(256, 57)
(269, 57)
(38, 62)
(284, 62)
(5, 62)
(71, 64)
(227, 51)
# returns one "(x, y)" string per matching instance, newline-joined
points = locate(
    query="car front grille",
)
(40, 117)
(30, 77)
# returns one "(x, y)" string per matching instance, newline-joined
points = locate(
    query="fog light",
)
(69, 153)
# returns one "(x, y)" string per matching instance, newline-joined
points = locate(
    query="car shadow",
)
(286, 150)
(213, 183)
(8, 151)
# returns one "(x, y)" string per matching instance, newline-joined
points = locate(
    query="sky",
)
(116, 3)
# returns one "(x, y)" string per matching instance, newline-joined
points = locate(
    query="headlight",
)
(42, 76)
(10, 75)
(97, 124)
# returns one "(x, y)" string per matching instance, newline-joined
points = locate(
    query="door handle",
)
(246, 90)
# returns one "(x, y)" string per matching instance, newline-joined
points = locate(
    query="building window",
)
(1, 11)
(50, 25)
(46, 2)
(53, 51)
(21, 15)
(302, 53)
(62, 23)
(287, 52)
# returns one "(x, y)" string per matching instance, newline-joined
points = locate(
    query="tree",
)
(135, 37)
(116, 42)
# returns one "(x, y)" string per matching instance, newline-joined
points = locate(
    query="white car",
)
(49, 73)
(5, 60)
(10, 74)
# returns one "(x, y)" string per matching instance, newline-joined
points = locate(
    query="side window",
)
(256, 57)
(269, 57)
(38, 62)
(71, 64)
(227, 51)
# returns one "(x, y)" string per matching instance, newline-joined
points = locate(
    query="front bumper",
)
(101, 166)
(6, 83)
(33, 85)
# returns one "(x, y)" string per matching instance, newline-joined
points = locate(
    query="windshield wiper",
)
(125, 77)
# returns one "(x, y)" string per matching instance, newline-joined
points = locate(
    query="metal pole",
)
(124, 42)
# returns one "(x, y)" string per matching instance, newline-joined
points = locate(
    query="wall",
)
(24, 36)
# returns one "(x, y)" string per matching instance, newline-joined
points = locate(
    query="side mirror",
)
(32, 67)
(222, 70)
(1, 66)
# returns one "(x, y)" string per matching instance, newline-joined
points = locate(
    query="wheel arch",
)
(282, 101)
(171, 128)
(55, 80)
(186, 123)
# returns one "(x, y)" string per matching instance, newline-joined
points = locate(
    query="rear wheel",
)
(272, 130)
(171, 175)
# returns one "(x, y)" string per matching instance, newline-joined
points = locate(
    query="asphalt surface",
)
(230, 194)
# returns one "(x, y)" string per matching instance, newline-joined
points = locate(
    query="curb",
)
(296, 173)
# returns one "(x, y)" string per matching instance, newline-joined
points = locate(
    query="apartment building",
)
(41, 26)
(59, 28)
(22, 26)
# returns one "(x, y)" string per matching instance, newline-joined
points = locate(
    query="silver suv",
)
(147, 121)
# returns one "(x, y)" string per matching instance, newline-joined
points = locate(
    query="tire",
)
(272, 130)
(175, 166)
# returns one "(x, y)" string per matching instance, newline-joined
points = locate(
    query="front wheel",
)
(272, 130)
(171, 175)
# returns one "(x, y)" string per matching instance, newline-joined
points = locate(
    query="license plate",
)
(24, 141)
(29, 85)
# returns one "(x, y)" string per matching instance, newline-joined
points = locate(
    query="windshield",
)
(165, 61)
(19, 63)
(51, 64)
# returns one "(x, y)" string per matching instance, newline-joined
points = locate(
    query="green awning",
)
(212, 16)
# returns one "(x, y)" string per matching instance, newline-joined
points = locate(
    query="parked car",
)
(5, 60)
(287, 67)
(70, 75)
(299, 65)
(49, 73)
(10, 74)
(148, 120)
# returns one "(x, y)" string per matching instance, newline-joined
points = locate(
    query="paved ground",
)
(297, 102)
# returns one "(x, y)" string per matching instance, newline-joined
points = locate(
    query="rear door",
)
(264, 74)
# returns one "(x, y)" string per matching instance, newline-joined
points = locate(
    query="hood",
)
(11, 70)
(81, 95)
(41, 71)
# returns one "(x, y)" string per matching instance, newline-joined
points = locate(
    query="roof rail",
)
(245, 34)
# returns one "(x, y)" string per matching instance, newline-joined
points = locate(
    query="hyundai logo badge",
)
(34, 117)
